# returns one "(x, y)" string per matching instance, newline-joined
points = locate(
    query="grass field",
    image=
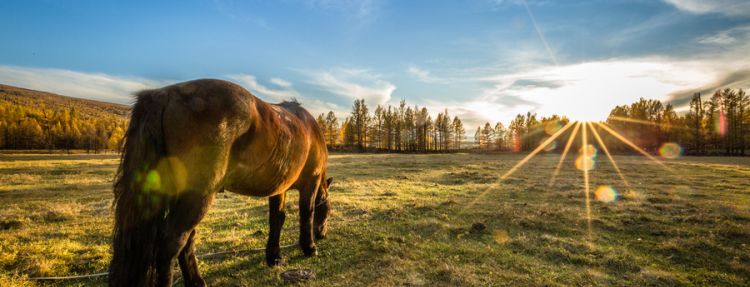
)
(405, 220)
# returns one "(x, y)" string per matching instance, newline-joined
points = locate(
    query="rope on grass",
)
(202, 256)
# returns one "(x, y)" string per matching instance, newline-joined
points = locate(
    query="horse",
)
(190, 140)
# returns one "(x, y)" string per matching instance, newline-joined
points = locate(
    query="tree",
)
(332, 128)
(478, 137)
(360, 121)
(488, 136)
(696, 120)
(114, 142)
(458, 132)
(499, 136)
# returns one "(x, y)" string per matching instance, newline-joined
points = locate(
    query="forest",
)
(38, 120)
(713, 125)
(393, 129)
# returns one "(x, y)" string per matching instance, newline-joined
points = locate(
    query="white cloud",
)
(721, 38)
(118, 89)
(354, 84)
(95, 86)
(731, 37)
(735, 8)
(589, 90)
(420, 74)
(251, 83)
(425, 75)
(286, 92)
(281, 82)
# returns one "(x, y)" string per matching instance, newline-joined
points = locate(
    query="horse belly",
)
(256, 184)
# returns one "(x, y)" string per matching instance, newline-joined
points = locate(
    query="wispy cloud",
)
(735, 8)
(251, 83)
(589, 90)
(96, 86)
(729, 37)
(353, 84)
(426, 76)
(281, 82)
(286, 91)
(120, 89)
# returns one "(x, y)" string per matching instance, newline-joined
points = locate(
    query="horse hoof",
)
(309, 252)
(273, 262)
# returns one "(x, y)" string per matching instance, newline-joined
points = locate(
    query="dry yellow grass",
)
(402, 220)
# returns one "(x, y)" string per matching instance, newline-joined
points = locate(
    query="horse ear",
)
(329, 181)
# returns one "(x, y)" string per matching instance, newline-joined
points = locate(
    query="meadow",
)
(418, 220)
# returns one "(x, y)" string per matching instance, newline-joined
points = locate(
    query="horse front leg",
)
(306, 207)
(276, 217)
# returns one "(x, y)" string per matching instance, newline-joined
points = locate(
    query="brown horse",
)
(190, 140)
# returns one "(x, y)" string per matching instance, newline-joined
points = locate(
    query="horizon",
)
(484, 61)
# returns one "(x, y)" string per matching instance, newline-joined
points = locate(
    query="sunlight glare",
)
(564, 153)
(632, 145)
(552, 127)
(585, 168)
(670, 150)
(609, 156)
(606, 193)
(550, 147)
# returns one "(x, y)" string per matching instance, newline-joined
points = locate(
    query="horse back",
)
(225, 135)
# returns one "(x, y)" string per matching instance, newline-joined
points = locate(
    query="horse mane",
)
(294, 107)
(290, 104)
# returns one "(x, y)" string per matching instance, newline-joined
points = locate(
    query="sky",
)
(482, 60)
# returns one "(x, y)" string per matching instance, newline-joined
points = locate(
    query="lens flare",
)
(670, 150)
(152, 182)
(609, 155)
(551, 146)
(585, 163)
(606, 193)
(564, 153)
(552, 127)
(590, 151)
(587, 159)
(585, 169)
(515, 144)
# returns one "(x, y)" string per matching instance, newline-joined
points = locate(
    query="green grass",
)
(404, 220)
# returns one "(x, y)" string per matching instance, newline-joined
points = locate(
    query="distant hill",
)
(32, 119)
(86, 108)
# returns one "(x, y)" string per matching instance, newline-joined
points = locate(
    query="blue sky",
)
(483, 60)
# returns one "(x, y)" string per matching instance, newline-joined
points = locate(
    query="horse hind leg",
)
(188, 263)
(186, 212)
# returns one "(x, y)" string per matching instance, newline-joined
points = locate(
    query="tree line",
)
(718, 124)
(524, 133)
(393, 129)
(714, 125)
(39, 127)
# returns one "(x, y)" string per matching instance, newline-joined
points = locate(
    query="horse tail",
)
(141, 201)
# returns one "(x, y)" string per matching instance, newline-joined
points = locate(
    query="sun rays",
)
(585, 162)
